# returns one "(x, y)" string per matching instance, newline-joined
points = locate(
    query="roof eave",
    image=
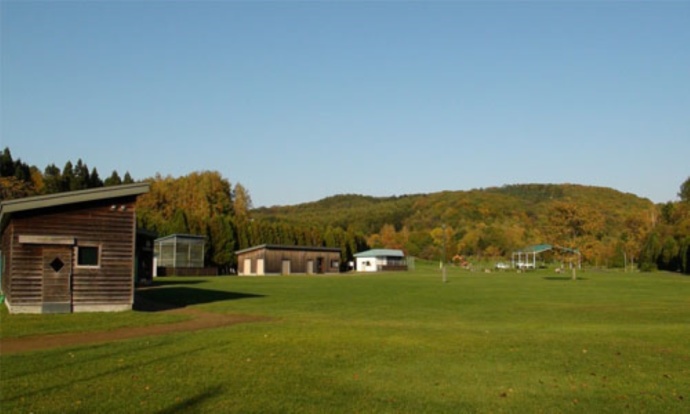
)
(72, 197)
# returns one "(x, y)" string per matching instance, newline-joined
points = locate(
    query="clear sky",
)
(302, 100)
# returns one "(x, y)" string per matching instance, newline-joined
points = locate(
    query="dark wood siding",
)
(5, 252)
(24, 271)
(90, 224)
(273, 262)
(274, 258)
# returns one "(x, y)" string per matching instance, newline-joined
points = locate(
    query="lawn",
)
(389, 343)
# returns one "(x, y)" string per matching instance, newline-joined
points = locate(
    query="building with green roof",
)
(377, 260)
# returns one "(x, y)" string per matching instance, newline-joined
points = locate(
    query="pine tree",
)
(6, 163)
(684, 192)
(52, 180)
(67, 176)
(22, 171)
(94, 179)
(80, 180)
(114, 179)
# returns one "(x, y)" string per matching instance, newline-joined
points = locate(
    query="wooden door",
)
(57, 271)
(285, 267)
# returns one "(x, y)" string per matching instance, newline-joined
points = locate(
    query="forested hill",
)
(365, 214)
(601, 222)
(368, 214)
(608, 227)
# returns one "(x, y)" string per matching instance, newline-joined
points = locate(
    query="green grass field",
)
(388, 343)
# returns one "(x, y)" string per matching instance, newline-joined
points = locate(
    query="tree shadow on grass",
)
(171, 281)
(564, 278)
(89, 376)
(191, 404)
(168, 298)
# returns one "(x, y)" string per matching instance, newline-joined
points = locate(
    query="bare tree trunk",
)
(625, 262)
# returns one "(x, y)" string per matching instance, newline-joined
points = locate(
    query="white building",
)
(380, 259)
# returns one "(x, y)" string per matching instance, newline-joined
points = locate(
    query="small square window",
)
(88, 256)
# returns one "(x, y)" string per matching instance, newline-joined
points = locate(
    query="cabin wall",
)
(247, 262)
(6, 252)
(366, 264)
(299, 261)
(274, 259)
(109, 225)
(380, 263)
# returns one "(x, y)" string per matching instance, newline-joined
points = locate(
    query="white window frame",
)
(88, 245)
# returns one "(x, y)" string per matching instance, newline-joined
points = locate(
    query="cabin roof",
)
(8, 207)
(539, 248)
(380, 253)
(180, 236)
(283, 247)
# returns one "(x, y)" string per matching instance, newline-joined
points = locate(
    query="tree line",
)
(205, 203)
(200, 203)
(18, 179)
(608, 228)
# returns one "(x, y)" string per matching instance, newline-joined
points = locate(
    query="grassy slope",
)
(400, 342)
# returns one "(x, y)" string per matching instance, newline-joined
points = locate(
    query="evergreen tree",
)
(80, 179)
(128, 179)
(684, 193)
(22, 171)
(94, 179)
(67, 177)
(6, 163)
(52, 180)
(114, 179)
(221, 242)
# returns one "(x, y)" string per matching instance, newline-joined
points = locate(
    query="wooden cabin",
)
(270, 259)
(70, 252)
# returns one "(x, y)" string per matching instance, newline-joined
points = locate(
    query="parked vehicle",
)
(524, 265)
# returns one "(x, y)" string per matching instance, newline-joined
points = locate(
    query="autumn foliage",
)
(609, 228)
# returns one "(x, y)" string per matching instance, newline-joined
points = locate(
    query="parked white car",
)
(524, 265)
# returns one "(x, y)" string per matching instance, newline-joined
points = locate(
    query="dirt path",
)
(200, 320)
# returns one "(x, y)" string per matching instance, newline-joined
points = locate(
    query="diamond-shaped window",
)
(57, 264)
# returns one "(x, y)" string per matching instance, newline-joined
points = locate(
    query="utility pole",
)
(443, 259)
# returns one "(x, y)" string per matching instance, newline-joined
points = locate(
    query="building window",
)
(88, 256)
(334, 263)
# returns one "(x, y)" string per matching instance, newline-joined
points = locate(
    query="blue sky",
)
(302, 100)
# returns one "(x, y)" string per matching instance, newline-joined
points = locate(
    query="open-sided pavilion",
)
(526, 258)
